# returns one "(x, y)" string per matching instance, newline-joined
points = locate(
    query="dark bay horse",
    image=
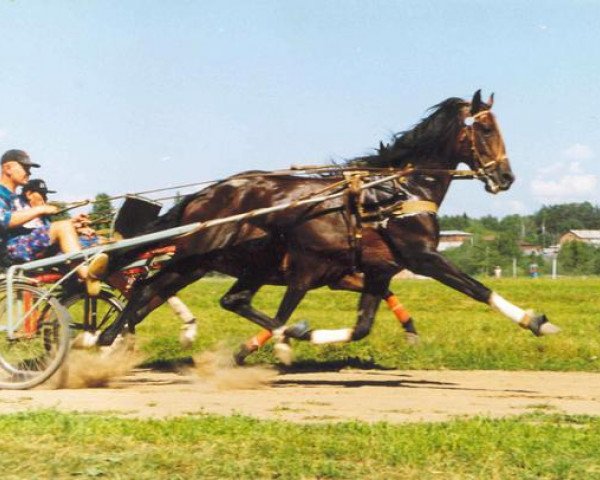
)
(319, 249)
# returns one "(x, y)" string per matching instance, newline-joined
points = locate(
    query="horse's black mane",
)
(428, 137)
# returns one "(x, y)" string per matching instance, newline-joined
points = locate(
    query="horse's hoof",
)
(540, 326)
(106, 338)
(188, 335)
(299, 331)
(122, 344)
(549, 329)
(283, 352)
(412, 338)
(244, 352)
(85, 340)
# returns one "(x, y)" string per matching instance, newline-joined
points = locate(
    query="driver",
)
(23, 244)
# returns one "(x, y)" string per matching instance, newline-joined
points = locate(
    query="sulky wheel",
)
(35, 342)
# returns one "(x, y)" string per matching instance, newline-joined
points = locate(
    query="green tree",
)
(455, 222)
(578, 258)
(490, 223)
(102, 213)
(556, 220)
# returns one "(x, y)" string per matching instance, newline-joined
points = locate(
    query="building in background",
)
(591, 237)
(530, 248)
(453, 239)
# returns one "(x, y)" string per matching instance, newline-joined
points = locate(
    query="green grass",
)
(48, 444)
(456, 332)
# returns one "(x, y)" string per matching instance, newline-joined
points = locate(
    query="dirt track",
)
(372, 395)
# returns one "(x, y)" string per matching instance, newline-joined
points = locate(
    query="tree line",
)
(496, 240)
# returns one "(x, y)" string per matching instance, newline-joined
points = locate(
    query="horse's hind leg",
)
(354, 283)
(403, 316)
(189, 327)
(374, 289)
(152, 293)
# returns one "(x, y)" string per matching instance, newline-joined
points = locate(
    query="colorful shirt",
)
(7, 199)
(24, 242)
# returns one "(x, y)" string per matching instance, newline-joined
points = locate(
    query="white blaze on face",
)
(513, 312)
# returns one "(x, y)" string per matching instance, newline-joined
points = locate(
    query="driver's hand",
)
(48, 209)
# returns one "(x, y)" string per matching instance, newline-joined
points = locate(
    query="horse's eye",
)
(486, 129)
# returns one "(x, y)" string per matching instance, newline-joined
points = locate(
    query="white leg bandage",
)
(513, 312)
(331, 336)
(181, 309)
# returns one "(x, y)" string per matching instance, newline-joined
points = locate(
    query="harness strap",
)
(411, 207)
(354, 209)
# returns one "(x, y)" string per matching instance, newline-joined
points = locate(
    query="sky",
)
(126, 96)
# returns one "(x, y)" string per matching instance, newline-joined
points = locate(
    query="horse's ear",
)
(491, 101)
(476, 102)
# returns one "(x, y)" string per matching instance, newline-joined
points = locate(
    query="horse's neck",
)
(432, 187)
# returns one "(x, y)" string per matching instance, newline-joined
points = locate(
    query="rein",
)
(301, 170)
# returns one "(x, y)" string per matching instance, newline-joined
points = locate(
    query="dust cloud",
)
(96, 368)
(218, 368)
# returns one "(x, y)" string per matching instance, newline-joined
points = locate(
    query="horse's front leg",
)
(292, 297)
(238, 300)
(434, 265)
(273, 328)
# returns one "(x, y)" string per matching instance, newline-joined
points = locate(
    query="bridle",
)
(482, 168)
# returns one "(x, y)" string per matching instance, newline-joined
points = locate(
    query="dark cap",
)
(37, 185)
(18, 156)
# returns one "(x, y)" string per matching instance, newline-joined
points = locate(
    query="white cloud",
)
(578, 151)
(3, 134)
(569, 187)
(567, 181)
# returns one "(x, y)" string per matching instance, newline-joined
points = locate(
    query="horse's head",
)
(482, 146)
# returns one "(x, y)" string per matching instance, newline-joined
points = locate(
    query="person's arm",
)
(20, 217)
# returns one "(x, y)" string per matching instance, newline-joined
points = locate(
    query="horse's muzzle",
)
(499, 181)
(506, 180)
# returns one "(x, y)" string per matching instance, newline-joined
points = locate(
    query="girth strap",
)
(411, 207)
